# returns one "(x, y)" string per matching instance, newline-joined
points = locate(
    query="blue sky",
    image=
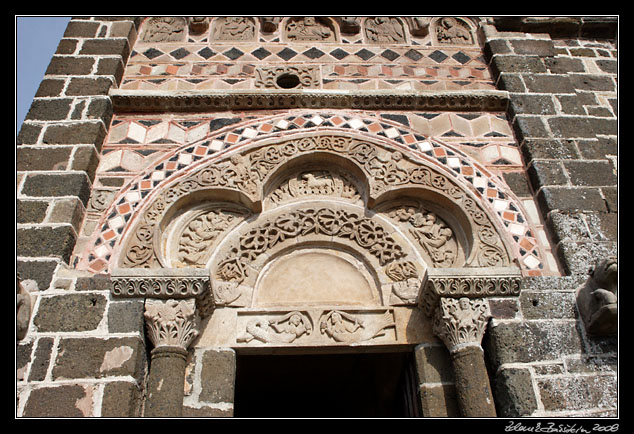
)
(36, 39)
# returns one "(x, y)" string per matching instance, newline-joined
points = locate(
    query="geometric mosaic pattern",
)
(199, 143)
(344, 66)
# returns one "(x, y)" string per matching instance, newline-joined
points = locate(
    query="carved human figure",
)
(345, 327)
(234, 28)
(450, 30)
(164, 29)
(308, 29)
(284, 329)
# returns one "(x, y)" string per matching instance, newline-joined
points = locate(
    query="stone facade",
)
(196, 191)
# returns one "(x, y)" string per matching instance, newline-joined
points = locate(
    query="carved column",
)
(172, 326)
(460, 324)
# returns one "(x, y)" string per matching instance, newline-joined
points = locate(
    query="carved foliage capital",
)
(461, 321)
(171, 322)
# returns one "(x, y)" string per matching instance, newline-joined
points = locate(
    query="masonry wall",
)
(86, 354)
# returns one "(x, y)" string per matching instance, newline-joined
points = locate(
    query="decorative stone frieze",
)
(287, 77)
(468, 282)
(316, 327)
(163, 283)
(195, 101)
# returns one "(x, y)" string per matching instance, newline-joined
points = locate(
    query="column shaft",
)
(473, 390)
(165, 387)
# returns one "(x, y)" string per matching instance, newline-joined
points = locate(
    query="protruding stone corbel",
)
(597, 299)
(456, 301)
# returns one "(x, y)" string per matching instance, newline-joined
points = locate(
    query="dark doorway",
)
(334, 385)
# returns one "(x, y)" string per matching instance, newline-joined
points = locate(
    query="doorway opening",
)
(368, 385)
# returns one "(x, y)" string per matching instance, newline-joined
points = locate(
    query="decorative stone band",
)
(467, 282)
(188, 101)
(164, 283)
(455, 300)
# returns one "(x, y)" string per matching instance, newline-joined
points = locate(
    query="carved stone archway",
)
(401, 231)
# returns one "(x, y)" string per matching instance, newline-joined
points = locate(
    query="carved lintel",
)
(467, 282)
(165, 283)
(172, 323)
(461, 322)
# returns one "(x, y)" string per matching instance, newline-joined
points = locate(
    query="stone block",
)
(514, 394)
(578, 392)
(533, 47)
(100, 358)
(60, 401)
(30, 211)
(531, 341)
(111, 46)
(29, 134)
(433, 364)
(62, 65)
(121, 399)
(529, 126)
(70, 313)
(548, 83)
(80, 86)
(49, 109)
(41, 271)
(56, 185)
(591, 173)
(126, 317)
(564, 65)
(593, 82)
(217, 377)
(97, 282)
(523, 64)
(81, 29)
(570, 199)
(548, 305)
(543, 173)
(55, 242)
(91, 132)
(50, 158)
(535, 149)
(531, 104)
(41, 359)
(439, 401)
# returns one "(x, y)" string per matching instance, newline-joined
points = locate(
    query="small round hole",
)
(287, 81)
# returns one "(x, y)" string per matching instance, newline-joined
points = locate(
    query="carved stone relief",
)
(164, 29)
(171, 322)
(272, 77)
(316, 327)
(461, 321)
(305, 183)
(432, 233)
(451, 30)
(385, 171)
(309, 29)
(384, 30)
(198, 232)
(234, 29)
(597, 299)
(407, 284)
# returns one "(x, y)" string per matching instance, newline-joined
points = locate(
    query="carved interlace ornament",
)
(171, 322)
(385, 170)
(365, 232)
(459, 322)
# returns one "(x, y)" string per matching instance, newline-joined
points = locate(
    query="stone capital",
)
(171, 323)
(461, 322)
